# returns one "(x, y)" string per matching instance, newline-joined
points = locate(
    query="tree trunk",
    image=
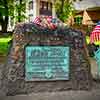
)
(4, 24)
(19, 12)
(62, 5)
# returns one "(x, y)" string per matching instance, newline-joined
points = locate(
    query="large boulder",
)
(31, 34)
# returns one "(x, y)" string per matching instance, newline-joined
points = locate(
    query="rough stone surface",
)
(30, 34)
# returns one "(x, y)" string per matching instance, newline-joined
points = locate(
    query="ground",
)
(68, 95)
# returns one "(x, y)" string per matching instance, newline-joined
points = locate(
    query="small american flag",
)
(37, 21)
(95, 35)
(48, 22)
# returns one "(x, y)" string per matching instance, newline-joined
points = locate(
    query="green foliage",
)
(64, 9)
(6, 7)
(14, 10)
(20, 10)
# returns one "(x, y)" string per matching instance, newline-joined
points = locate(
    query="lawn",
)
(4, 45)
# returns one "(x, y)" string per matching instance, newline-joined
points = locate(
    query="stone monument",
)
(44, 60)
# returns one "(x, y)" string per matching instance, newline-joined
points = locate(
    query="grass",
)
(4, 45)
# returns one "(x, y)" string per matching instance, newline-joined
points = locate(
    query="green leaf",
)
(68, 9)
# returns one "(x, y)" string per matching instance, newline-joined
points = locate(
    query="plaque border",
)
(44, 80)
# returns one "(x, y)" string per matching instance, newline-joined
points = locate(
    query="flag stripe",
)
(95, 35)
